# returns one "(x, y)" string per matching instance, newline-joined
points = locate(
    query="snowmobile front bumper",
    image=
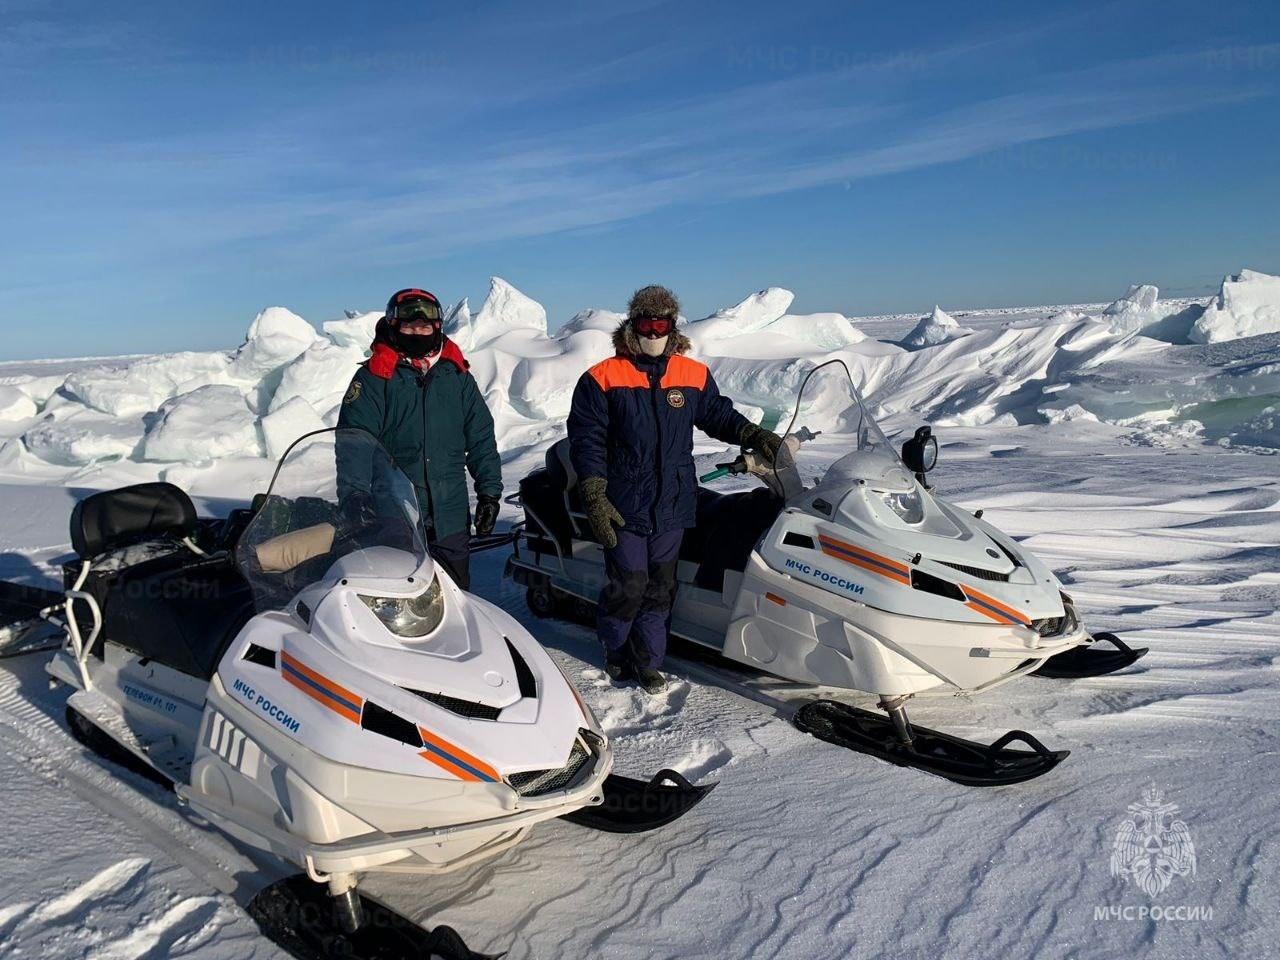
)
(1086, 660)
(390, 851)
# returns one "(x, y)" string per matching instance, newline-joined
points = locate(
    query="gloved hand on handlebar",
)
(601, 514)
(486, 514)
(762, 441)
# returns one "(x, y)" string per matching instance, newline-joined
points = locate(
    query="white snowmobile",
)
(844, 570)
(312, 683)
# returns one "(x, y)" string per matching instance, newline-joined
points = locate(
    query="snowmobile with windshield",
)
(312, 683)
(845, 570)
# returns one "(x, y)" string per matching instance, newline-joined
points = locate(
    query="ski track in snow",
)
(174, 897)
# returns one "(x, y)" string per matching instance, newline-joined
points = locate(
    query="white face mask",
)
(653, 348)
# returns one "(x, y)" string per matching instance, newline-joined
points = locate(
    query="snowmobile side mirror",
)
(920, 453)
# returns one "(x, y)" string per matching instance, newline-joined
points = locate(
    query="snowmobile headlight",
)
(1070, 622)
(409, 616)
(908, 506)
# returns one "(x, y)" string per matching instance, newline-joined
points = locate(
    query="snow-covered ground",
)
(1130, 445)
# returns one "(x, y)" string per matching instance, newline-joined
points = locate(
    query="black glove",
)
(601, 514)
(486, 514)
(761, 441)
(358, 509)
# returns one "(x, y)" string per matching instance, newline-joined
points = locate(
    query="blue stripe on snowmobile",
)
(295, 672)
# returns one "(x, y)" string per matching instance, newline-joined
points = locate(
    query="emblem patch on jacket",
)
(353, 392)
(675, 397)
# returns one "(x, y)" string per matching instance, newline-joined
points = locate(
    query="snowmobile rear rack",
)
(633, 806)
(1087, 661)
(490, 541)
(953, 758)
(24, 619)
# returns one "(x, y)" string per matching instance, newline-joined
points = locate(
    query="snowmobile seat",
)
(545, 513)
(563, 479)
(176, 611)
(114, 519)
(560, 467)
(728, 527)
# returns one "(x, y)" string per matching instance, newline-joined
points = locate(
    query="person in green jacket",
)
(418, 397)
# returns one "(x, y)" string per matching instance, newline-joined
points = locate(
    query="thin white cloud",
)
(319, 199)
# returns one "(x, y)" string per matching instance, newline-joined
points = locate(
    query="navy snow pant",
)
(635, 605)
(454, 554)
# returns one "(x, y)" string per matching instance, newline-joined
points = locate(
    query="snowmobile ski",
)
(299, 916)
(633, 806)
(1088, 661)
(953, 758)
(22, 628)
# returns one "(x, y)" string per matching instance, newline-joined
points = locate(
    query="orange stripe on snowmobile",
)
(683, 372)
(320, 688)
(865, 559)
(457, 761)
(617, 372)
(993, 608)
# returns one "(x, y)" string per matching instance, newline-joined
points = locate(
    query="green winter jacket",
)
(433, 425)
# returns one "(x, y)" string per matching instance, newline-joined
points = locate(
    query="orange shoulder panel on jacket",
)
(683, 372)
(617, 372)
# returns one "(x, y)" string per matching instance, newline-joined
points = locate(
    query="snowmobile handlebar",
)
(724, 469)
(753, 463)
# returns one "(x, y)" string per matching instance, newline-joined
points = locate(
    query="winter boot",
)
(652, 680)
(615, 665)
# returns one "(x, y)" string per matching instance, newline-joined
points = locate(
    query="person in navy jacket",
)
(631, 444)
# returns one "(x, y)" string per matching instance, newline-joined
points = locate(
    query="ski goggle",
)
(417, 310)
(653, 326)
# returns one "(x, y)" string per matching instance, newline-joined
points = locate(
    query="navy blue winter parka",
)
(632, 423)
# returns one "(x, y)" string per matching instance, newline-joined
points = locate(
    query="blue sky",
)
(167, 170)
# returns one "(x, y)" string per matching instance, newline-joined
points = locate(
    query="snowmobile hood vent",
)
(381, 721)
(535, 783)
(928, 583)
(463, 708)
(978, 572)
(524, 676)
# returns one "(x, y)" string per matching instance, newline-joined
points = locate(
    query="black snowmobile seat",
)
(177, 611)
(729, 526)
(546, 492)
(117, 518)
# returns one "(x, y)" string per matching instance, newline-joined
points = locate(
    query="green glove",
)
(761, 441)
(601, 514)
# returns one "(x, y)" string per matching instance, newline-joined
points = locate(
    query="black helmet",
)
(413, 302)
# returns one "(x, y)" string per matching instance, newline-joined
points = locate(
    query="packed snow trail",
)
(98, 862)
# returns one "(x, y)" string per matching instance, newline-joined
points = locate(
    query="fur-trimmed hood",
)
(626, 343)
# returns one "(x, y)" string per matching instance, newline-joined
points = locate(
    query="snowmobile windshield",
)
(338, 506)
(831, 438)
